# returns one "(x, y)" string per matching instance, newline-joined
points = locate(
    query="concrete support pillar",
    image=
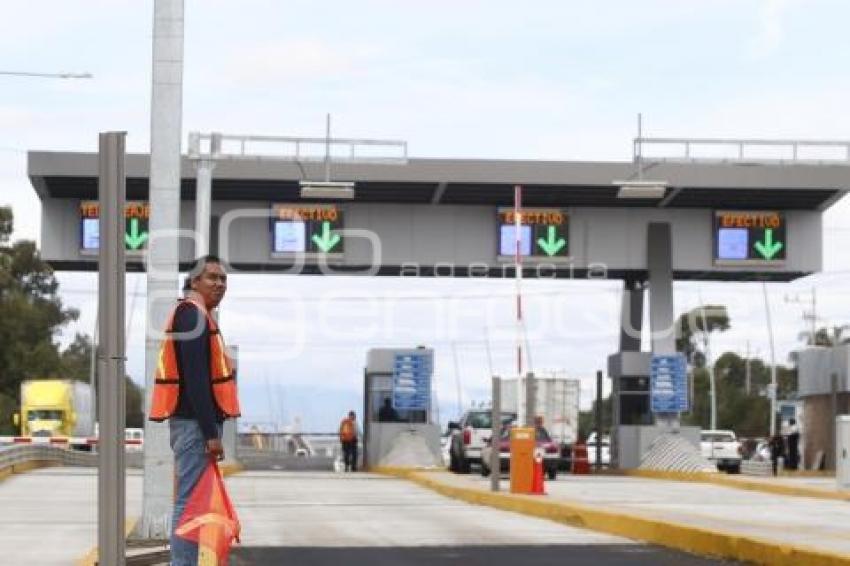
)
(661, 315)
(163, 250)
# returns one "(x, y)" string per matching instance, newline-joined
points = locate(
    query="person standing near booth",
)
(348, 440)
(194, 389)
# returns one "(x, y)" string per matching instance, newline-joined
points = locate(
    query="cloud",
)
(771, 30)
(289, 63)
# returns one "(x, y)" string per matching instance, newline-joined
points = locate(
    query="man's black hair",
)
(198, 268)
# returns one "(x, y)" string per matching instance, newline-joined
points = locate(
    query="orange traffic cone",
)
(537, 474)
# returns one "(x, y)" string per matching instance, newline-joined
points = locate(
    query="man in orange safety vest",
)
(194, 389)
(348, 439)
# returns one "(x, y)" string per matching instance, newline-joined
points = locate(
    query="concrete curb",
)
(737, 482)
(23, 467)
(90, 559)
(664, 533)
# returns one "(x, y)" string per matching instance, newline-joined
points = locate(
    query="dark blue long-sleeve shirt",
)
(193, 361)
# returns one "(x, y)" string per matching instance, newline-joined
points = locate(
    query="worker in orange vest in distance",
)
(348, 439)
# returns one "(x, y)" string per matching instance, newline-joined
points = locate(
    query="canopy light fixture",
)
(327, 190)
(641, 189)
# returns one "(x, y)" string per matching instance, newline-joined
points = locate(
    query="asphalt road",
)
(549, 555)
(327, 519)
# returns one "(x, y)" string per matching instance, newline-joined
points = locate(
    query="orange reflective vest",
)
(347, 432)
(166, 389)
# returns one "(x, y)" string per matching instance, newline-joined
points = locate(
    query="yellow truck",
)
(56, 407)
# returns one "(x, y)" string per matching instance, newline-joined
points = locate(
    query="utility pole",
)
(772, 361)
(810, 316)
(711, 380)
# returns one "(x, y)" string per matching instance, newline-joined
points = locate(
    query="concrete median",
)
(702, 536)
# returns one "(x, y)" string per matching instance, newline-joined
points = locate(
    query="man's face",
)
(211, 284)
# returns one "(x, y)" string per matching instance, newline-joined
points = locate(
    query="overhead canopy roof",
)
(474, 181)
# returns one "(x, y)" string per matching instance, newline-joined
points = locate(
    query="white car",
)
(468, 436)
(722, 448)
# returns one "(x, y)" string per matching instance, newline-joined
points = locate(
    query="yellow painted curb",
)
(739, 483)
(90, 559)
(672, 535)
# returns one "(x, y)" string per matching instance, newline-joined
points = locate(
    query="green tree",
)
(31, 314)
(827, 336)
(692, 327)
(745, 412)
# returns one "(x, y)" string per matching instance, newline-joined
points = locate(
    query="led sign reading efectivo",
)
(745, 237)
(544, 233)
(306, 228)
(136, 214)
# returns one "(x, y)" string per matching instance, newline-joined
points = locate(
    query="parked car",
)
(605, 453)
(467, 438)
(722, 448)
(542, 440)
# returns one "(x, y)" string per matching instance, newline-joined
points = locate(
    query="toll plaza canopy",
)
(454, 217)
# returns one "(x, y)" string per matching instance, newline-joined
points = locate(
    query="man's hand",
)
(215, 449)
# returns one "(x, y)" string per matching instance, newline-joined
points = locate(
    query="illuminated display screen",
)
(507, 240)
(544, 233)
(749, 237)
(314, 229)
(136, 214)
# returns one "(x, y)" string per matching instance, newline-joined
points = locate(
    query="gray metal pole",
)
(328, 149)
(203, 205)
(598, 420)
(163, 251)
(111, 390)
(228, 433)
(530, 399)
(832, 457)
(495, 435)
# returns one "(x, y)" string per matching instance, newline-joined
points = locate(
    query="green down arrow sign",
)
(551, 245)
(326, 241)
(768, 248)
(134, 238)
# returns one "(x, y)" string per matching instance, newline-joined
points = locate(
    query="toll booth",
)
(397, 426)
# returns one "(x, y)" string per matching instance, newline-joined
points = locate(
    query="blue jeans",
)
(190, 461)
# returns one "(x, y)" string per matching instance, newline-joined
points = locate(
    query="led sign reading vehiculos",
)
(749, 237)
(306, 228)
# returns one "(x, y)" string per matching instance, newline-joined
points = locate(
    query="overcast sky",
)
(482, 79)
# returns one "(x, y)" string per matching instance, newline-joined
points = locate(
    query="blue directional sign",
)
(668, 384)
(412, 381)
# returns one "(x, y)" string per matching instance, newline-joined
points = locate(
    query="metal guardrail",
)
(719, 150)
(289, 148)
(16, 455)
